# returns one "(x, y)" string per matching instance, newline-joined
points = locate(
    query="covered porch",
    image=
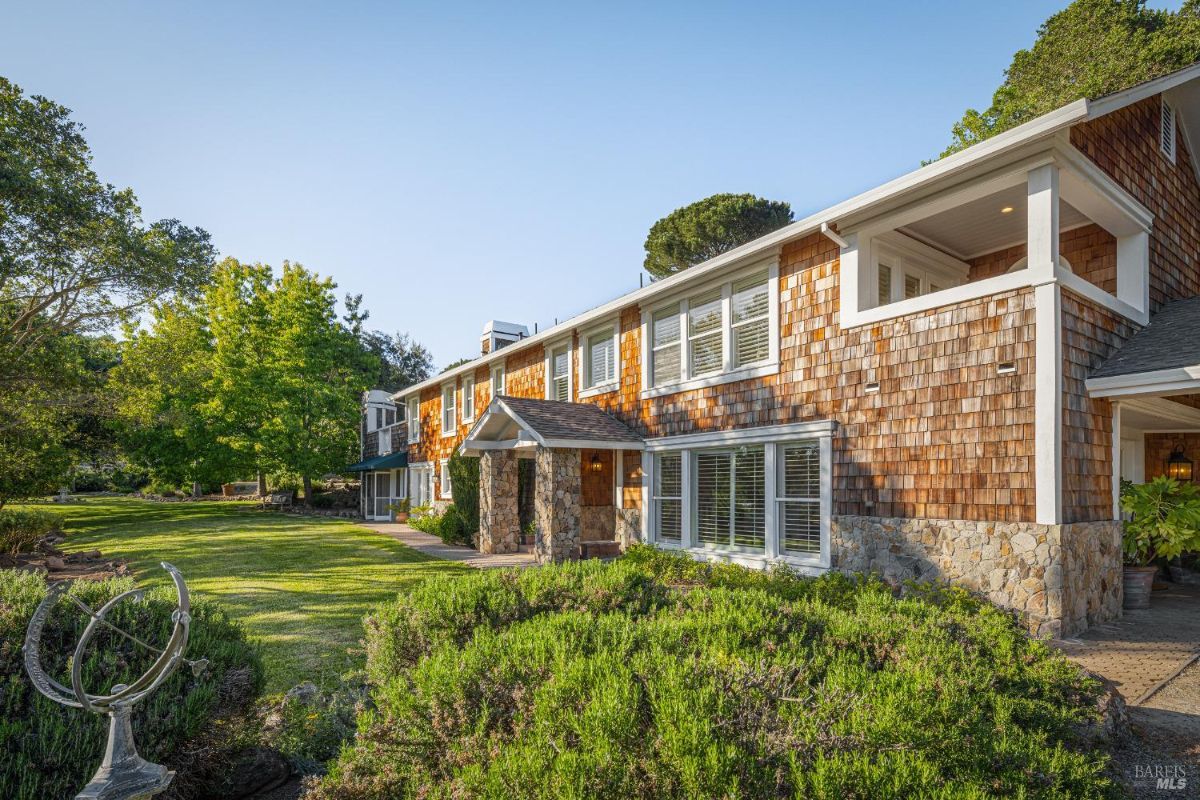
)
(581, 461)
(384, 483)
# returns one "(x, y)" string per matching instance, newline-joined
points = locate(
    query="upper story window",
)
(723, 333)
(448, 409)
(378, 418)
(389, 417)
(904, 272)
(600, 359)
(558, 373)
(497, 380)
(468, 398)
(414, 419)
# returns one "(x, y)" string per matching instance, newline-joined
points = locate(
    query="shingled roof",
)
(553, 420)
(1170, 341)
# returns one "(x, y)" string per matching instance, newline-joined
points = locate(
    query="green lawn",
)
(299, 584)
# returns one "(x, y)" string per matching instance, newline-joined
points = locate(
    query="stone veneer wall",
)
(557, 504)
(1061, 578)
(629, 526)
(499, 525)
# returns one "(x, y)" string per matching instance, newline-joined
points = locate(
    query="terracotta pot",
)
(401, 516)
(1137, 583)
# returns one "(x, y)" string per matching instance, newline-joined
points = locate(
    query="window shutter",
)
(885, 284)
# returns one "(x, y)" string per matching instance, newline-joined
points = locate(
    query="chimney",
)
(497, 334)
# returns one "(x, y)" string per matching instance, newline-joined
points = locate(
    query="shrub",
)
(453, 527)
(1164, 520)
(425, 519)
(312, 730)
(51, 751)
(654, 676)
(464, 477)
(20, 529)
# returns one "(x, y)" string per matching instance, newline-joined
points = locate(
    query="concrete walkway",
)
(432, 545)
(1144, 648)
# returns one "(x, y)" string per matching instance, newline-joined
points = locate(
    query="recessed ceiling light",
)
(1006, 210)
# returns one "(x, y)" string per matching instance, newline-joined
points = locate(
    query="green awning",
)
(397, 460)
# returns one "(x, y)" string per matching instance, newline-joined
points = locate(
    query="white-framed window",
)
(906, 275)
(798, 493)
(668, 497)
(665, 355)
(558, 372)
(751, 496)
(751, 304)
(414, 419)
(723, 332)
(447, 488)
(497, 380)
(448, 409)
(600, 359)
(468, 398)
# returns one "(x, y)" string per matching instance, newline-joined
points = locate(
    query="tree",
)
(162, 385)
(693, 234)
(1090, 48)
(402, 360)
(458, 362)
(75, 255)
(316, 367)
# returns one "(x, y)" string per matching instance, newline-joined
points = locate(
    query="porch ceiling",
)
(1159, 415)
(979, 226)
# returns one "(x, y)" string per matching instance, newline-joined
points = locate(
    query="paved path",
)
(432, 545)
(1143, 648)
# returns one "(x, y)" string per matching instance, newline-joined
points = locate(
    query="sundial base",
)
(124, 775)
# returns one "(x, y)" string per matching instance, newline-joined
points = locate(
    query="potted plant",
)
(400, 510)
(1164, 522)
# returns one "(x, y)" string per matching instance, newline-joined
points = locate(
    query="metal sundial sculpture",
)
(123, 775)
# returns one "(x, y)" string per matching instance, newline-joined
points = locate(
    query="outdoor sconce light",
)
(1179, 466)
(598, 466)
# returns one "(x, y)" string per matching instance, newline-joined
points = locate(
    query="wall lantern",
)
(598, 466)
(1179, 466)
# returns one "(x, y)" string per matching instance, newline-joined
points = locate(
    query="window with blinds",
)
(751, 304)
(468, 400)
(885, 284)
(798, 491)
(730, 503)
(601, 358)
(560, 385)
(912, 286)
(448, 409)
(497, 380)
(705, 354)
(665, 356)
(414, 420)
(668, 497)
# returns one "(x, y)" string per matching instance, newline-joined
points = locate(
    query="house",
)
(383, 458)
(945, 377)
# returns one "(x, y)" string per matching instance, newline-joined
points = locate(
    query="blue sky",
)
(462, 162)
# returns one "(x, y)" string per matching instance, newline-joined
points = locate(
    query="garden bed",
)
(656, 676)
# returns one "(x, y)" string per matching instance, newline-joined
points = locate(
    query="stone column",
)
(499, 527)
(556, 505)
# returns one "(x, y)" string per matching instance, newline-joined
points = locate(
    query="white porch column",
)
(1116, 458)
(1042, 220)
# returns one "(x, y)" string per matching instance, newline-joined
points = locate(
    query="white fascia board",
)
(763, 434)
(1045, 125)
(1179, 380)
(1135, 94)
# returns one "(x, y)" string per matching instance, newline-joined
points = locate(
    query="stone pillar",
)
(557, 504)
(499, 527)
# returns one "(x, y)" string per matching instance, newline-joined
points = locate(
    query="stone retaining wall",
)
(1060, 578)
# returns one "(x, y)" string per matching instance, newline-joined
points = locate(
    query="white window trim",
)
(771, 437)
(613, 326)
(728, 373)
(561, 344)
(445, 486)
(468, 391)
(453, 429)
(413, 404)
(497, 386)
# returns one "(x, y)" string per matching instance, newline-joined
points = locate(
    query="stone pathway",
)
(1143, 648)
(432, 545)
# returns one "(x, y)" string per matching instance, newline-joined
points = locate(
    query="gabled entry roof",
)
(1164, 356)
(514, 422)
